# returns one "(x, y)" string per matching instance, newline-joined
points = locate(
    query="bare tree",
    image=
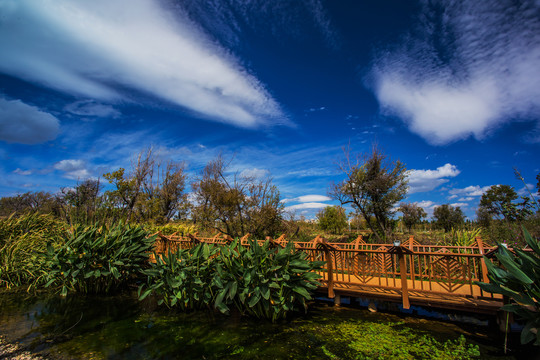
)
(235, 204)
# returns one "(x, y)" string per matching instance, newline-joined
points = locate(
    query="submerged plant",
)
(519, 279)
(98, 259)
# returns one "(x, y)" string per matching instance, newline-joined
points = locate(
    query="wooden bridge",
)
(408, 273)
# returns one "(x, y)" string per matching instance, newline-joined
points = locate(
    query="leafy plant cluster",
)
(98, 259)
(519, 279)
(171, 228)
(259, 280)
(22, 241)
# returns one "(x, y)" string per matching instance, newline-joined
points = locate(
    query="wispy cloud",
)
(254, 173)
(97, 49)
(427, 180)
(227, 19)
(26, 124)
(469, 67)
(307, 199)
(473, 190)
(90, 108)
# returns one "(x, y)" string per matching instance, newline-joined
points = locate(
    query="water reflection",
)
(120, 327)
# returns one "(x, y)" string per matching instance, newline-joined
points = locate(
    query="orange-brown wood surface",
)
(411, 273)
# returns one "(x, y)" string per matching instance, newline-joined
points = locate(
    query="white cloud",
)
(22, 172)
(307, 205)
(427, 180)
(95, 48)
(469, 68)
(25, 124)
(308, 199)
(468, 198)
(91, 108)
(254, 173)
(469, 191)
(73, 169)
(460, 204)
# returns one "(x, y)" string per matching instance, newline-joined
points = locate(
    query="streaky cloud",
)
(98, 49)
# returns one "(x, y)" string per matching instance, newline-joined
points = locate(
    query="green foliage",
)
(460, 237)
(412, 214)
(265, 282)
(22, 240)
(261, 281)
(171, 228)
(519, 279)
(373, 185)
(500, 201)
(448, 217)
(184, 278)
(98, 259)
(333, 219)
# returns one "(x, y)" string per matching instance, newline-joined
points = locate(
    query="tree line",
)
(154, 191)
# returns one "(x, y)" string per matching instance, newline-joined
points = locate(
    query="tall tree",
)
(332, 218)
(412, 214)
(373, 185)
(500, 201)
(235, 204)
(447, 216)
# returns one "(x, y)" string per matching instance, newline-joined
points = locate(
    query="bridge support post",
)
(337, 300)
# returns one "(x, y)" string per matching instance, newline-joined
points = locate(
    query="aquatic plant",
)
(183, 278)
(259, 280)
(265, 281)
(98, 259)
(519, 279)
(22, 241)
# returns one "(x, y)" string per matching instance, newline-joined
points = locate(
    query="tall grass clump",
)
(98, 259)
(23, 240)
(258, 280)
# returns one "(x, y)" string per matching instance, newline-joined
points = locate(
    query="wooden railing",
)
(405, 272)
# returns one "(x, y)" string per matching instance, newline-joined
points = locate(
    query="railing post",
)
(482, 262)
(404, 285)
(330, 268)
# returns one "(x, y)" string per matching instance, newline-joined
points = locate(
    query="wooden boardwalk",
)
(408, 273)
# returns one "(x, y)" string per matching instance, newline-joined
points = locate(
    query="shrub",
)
(98, 259)
(520, 281)
(261, 281)
(184, 278)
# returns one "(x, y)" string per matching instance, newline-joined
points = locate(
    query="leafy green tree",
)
(234, 204)
(373, 185)
(332, 218)
(500, 201)
(412, 214)
(447, 216)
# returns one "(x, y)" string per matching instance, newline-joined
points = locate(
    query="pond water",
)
(120, 327)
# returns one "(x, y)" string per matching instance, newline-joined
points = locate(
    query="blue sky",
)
(451, 89)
